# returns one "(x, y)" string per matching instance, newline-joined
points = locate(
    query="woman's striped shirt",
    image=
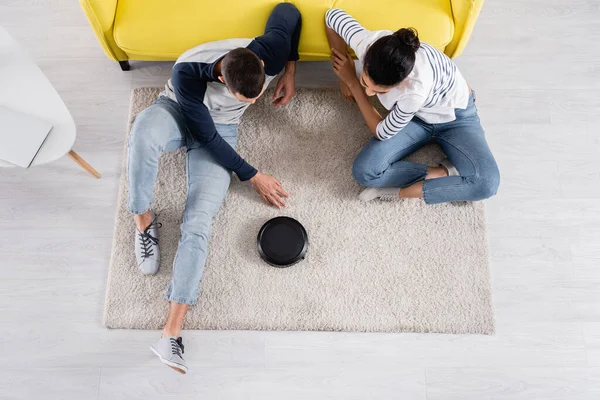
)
(432, 91)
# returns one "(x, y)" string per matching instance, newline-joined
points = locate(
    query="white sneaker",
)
(170, 352)
(384, 194)
(147, 252)
(449, 167)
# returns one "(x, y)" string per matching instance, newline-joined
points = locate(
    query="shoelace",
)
(147, 240)
(388, 197)
(177, 346)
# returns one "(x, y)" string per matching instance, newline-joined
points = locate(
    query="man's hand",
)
(269, 189)
(287, 85)
(346, 92)
(343, 66)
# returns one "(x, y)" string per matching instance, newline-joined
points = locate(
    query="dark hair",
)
(391, 58)
(243, 72)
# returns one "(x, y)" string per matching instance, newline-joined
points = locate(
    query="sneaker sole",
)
(182, 369)
(153, 272)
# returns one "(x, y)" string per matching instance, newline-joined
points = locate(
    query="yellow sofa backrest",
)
(162, 30)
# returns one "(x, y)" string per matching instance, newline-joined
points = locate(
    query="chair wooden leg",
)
(124, 65)
(83, 164)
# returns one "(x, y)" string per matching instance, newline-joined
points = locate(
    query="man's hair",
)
(243, 72)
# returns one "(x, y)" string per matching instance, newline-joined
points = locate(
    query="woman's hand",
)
(269, 189)
(343, 66)
(346, 92)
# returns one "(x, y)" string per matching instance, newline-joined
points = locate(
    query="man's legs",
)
(154, 131)
(208, 182)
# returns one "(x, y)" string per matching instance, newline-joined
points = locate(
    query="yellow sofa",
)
(155, 30)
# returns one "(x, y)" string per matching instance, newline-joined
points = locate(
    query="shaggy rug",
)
(379, 267)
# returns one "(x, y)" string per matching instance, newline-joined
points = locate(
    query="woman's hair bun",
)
(408, 37)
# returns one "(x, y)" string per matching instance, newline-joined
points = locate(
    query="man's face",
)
(245, 99)
(241, 97)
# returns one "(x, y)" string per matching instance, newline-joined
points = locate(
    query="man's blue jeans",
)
(380, 163)
(161, 128)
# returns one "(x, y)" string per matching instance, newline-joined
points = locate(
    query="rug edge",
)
(106, 318)
(110, 322)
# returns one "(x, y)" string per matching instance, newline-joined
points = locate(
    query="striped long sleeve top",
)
(432, 91)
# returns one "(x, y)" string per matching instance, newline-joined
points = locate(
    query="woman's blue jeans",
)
(381, 164)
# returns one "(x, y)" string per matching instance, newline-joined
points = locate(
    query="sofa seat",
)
(162, 30)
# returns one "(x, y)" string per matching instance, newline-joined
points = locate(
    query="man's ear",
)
(221, 79)
(263, 63)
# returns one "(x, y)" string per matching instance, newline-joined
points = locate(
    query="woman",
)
(429, 101)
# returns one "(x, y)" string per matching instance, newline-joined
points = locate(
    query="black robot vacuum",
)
(282, 242)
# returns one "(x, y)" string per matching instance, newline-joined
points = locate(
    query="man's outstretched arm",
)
(189, 85)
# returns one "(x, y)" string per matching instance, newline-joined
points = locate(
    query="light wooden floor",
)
(535, 65)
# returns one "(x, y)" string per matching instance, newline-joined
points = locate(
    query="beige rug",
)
(377, 267)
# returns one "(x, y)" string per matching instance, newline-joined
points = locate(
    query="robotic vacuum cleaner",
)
(282, 242)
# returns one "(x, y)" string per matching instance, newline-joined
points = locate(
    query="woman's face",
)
(372, 89)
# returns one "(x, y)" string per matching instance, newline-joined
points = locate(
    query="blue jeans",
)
(161, 128)
(381, 164)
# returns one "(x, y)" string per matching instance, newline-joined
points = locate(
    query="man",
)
(211, 87)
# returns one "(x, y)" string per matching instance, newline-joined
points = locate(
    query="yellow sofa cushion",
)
(432, 19)
(162, 30)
